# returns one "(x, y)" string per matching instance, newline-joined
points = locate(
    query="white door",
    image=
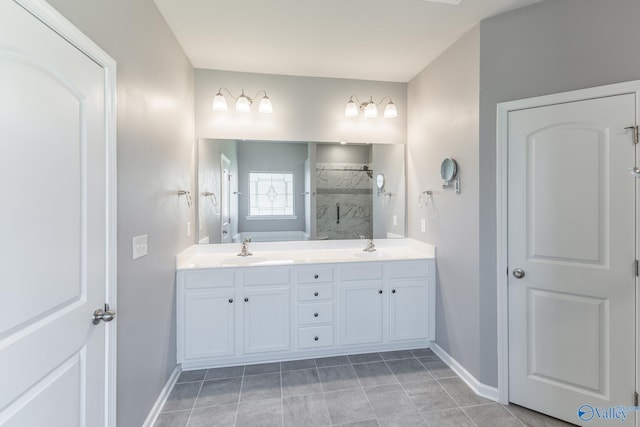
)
(225, 200)
(266, 314)
(361, 313)
(571, 215)
(210, 319)
(408, 310)
(53, 226)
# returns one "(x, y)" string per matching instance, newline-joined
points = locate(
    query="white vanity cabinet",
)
(250, 314)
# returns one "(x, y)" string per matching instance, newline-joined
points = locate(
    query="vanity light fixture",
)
(370, 108)
(243, 102)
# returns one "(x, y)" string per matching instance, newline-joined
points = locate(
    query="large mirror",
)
(278, 191)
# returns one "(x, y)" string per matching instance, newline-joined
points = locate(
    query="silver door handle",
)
(518, 273)
(105, 315)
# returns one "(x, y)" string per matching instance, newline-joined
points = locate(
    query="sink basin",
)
(239, 260)
(372, 255)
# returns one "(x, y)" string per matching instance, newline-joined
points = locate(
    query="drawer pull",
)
(380, 291)
(316, 338)
(315, 294)
(393, 291)
(315, 276)
(230, 300)
(246, 300)
(315, 314)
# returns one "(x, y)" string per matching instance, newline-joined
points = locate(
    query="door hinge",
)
(635, 398)
(636, 267)
(636, 132)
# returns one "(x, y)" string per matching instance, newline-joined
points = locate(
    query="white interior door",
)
(53, 226)
(571, 231)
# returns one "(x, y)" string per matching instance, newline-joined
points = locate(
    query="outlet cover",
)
(140, 246)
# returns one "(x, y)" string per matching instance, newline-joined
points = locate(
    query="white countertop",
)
(301, 252)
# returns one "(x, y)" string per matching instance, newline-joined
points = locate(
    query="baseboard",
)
(480, 389)
(162, 398)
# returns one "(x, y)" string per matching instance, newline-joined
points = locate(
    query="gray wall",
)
(277, 157)
(209, 180)
(155, 156)
(553, 46)
(443, 122)
(304, 109)
(389, 160)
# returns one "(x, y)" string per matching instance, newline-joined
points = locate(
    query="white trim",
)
(162, 398)
(483, 390)
(58, 23)
(502, 129)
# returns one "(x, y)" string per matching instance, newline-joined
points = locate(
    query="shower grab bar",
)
(337, 213)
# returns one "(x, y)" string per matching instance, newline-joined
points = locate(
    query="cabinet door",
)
(266, 314)
(361, 313)
(209, 327)
(409, 310)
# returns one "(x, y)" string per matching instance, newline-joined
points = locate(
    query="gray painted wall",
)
(389, 160)
(155, 156)
(209, 180)
(304, 109)
(553, 46)
(443, 102)
(264, 156)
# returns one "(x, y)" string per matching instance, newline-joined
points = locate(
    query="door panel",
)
(53, 226)
(360, 313)
(572, 230)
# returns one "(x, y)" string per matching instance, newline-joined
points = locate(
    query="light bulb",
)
(242, 104)
(219, 103)
(265, 105)
(371, 110)
(390, 111)
(351, 110)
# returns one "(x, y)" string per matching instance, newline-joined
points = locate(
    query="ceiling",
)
(388, 40)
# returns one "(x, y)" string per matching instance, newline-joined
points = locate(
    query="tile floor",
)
(397, 388)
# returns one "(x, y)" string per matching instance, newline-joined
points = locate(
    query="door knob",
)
(518, 273)
(105, 315)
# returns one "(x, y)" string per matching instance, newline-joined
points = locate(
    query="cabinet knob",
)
(246, 300)
(315, 294)
(380, 291)
(315, 314)
(316, 338)
(230, 300)
(315, 276)
(393, 291)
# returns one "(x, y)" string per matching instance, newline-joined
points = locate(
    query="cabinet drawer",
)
(361, 271)
(401, 270)
(317, 336)
(209, 278)
(314, 293)
(266, 276)
(315, 275)
(315, 313)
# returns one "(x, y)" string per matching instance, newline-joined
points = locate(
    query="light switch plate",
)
(423, 225)
(395, 219)
(188, 229)
(140, 246)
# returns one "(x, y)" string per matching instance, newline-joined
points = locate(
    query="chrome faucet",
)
(245, 247)
(371, 247)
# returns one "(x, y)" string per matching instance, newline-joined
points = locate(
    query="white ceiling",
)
(389, 40)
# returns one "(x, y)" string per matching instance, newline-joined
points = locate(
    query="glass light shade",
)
(371, 110)
(243, 105)
(351, 110)
(390, 111)
(219, 103)
(265, 105)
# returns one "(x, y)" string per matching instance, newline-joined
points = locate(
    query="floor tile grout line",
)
(281, 399)
(363, 391)
(195, 400)
(467, 415)
(509, 411)
(235, 422)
